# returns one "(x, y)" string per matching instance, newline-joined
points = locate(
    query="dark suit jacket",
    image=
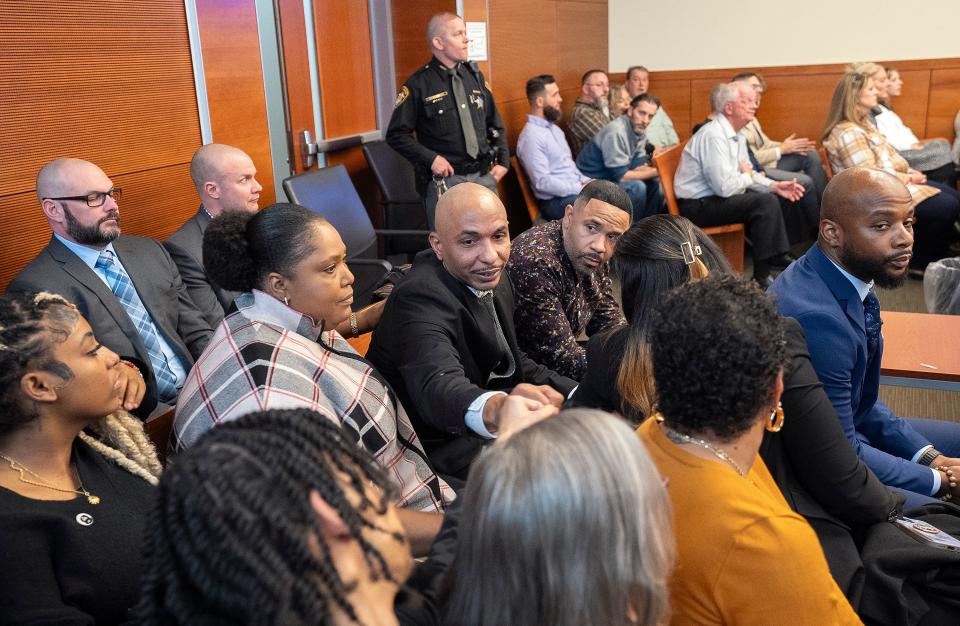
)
(816, 469)
(185, 246)
(436, 345)
(58, 270)
(829, 309)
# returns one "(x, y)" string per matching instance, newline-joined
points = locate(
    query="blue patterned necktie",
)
(122, 287)
(872, 323)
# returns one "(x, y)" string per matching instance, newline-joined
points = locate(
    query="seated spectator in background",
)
(591, 112)
(852, 141)
(660, 131)
(715, 185)
(620, 153)
(543, 151)
(866, 236)
(726, 334)
(560, 272)
(446, 341)
(932, 157)
(280, 349)
(619, 101)
(76, 472)
(128, 288)
(794, 157)
(538, 509)
(225, 178)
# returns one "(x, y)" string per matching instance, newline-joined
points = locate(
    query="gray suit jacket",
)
(58, 270)
(185, 246)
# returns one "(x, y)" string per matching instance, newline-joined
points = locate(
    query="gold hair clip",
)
(690, 252)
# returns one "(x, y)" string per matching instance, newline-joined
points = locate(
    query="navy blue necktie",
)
(872, 322)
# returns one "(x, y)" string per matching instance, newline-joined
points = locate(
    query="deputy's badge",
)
(404, 92)
(477, 101)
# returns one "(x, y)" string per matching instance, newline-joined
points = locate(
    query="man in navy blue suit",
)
(866, 239)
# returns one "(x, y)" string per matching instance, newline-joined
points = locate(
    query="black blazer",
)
(185, 246)
(436, 345)
(58, 270)
(820, 475)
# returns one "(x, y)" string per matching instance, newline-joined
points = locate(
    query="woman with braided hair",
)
(274, 518)
(76, 472)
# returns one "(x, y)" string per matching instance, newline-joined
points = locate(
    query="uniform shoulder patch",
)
(487, 85)
(404, 93)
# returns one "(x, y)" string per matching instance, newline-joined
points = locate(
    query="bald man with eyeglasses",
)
(127, 288)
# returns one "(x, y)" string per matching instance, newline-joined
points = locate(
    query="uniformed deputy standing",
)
(459, 134)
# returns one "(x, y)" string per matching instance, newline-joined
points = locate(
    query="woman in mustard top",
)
(743, 556)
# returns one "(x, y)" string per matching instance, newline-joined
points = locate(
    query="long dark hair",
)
(655, 255)
(229, 535)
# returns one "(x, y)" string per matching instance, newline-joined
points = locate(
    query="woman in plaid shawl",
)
(852, 141)
(279, 349)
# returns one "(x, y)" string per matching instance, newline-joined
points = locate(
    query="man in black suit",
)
(128, 288)
(446, 340)
(225, 178)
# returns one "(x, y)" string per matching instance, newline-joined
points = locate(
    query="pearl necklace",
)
(676, 437)
(18, 467)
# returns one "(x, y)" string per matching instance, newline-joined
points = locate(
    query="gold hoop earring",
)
(775, 423)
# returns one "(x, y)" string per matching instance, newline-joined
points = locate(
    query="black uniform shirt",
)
(426, 105)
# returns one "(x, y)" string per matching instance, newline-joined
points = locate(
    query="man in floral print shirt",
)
(561, 278)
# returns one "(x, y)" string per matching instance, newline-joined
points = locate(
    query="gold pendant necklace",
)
(18, 467)
(676, 437)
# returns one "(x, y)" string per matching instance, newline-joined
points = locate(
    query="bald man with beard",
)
(154, 325)
(866, 240)
(446, 340)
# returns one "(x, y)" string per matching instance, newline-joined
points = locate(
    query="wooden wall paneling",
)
(581, 40)
(944, 102)
(523, 43)
(797, 104)
(127, 103)
(676, 100)
(345, 67)
(296, 66)
(479, 11)
(410, 46)
(230, 41)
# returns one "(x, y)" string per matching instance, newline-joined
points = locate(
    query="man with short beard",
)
(544, 153)
(621, 153)
(591, 111)
(562, 278)
(127, 288)
(866, 239)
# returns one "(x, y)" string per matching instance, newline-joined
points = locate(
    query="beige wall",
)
(690, 34)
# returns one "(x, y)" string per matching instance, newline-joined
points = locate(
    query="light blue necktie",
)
(123, 289)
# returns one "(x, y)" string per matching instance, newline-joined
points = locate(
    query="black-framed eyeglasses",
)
(95, 198)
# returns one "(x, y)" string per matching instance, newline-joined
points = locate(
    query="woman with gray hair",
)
(566, 523)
